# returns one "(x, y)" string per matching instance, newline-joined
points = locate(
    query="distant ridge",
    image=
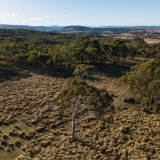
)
(37, 28)
(129, 27)
(73, 29)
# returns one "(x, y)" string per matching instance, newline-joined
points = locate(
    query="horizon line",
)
(86, 25)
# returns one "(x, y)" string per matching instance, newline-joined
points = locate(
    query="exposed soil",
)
(33, 126)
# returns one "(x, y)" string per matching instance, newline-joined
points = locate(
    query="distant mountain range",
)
(75, 29)
(37, 28)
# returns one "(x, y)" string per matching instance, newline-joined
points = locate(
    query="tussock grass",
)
(34, 127)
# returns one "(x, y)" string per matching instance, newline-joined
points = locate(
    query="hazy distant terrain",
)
(151, 34)
(38, 28)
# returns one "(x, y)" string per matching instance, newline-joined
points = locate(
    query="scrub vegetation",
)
(110, 87)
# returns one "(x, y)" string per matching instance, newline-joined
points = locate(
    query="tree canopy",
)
(144, 82)
(98, 100)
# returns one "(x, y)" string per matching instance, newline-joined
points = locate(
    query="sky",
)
(80, 12)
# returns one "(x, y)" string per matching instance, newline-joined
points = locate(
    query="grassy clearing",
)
(32, 126)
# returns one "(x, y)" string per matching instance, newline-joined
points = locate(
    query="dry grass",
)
(32, 126)
(150, 41)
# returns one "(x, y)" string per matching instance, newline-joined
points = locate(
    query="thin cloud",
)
(12, 14)
(1, 15)
(2, 20)
(20, 21)
(48, 22)
(35, 19)
(65, 15)
(46, 17)
(86, 24)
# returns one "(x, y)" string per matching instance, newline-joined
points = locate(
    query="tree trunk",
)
(114, 60)
(150, 105)
(82, 60)
(125, 91)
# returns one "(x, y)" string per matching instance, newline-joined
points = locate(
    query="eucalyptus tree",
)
(32, 58)
(118, 49)
(144, 82)
(42, 59)
(6, 52)
(65, 54)
(56, 55)
(106, 52)
(20, 59)
(80, 45)
(144, 52)
(158, 56)
(134, 45)
(94, 48)
(78, 94)
(154, 94)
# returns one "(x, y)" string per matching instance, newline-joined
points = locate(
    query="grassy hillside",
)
(33, 126)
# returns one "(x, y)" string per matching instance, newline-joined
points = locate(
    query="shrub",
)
(98, 100)
(83, 70)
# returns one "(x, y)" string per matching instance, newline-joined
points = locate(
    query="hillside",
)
(33, 126)
(72, 29)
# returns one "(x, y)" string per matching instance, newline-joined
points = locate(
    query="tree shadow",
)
(10, 73)
(58, 72)
(103, 151)
(112, 70)
(83, 143)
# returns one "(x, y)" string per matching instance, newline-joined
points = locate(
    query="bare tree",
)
(75, 108)
(85, 74)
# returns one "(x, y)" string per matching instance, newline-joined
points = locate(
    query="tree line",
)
(28, 48)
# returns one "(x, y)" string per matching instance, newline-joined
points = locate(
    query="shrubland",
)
(42, 81)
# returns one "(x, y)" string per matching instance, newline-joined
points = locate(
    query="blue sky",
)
(80, 12)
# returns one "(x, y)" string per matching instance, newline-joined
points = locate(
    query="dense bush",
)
(98, 100)
(83, 70)
(144, 82)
